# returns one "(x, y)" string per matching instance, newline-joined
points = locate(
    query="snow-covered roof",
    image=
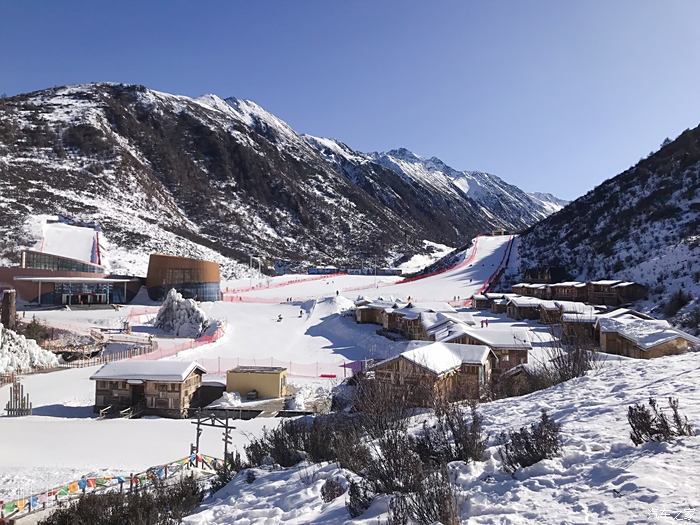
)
(165, 371)
(575, 307)
(626, 284)
(434, 306)
(479, 297)
(442, 357)
(622, 312)
(579, 318)
(549, 305)
(606, 282)
(495, 337)
(445, 326)
(644, 333)
(525, 301)
(574, 284)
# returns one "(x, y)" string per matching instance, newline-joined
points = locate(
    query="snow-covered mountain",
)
(223, 179)
(641, 225)
(505, 205)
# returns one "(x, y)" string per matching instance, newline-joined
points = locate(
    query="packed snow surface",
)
(180, 317)
(19, 354)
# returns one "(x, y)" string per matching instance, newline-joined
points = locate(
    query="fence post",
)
(219, 365)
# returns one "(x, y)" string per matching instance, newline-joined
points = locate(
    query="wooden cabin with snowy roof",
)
(407, 320)
(643, 338)
(425, 369)
(520, 308)
(614, 292)
(569, 291)
(510, 345)
(162, 388)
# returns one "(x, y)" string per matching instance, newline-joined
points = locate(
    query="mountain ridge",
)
(214, 178)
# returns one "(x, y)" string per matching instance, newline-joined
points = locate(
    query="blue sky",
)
(550, 95)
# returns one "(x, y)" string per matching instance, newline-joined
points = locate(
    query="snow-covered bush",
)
(19, 354)
(180, 317)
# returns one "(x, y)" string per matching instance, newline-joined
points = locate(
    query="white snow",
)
(181, 317)
(18, 354)
(167, 371)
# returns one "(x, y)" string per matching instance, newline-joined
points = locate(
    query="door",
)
(138, 395)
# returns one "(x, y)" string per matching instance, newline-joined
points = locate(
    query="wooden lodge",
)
(520, 308)
(162, 388)
(605, 292)
(615, 293)
(643, 338)
(407, 320)
(481, 302)
(538, 290)
(511, 345)
(569, 291)
(453, 371)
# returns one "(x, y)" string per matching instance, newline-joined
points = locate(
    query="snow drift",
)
(19, 354)
(181, 317)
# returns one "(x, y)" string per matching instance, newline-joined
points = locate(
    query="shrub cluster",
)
(165, 504)
(527, 446)
(653, 424)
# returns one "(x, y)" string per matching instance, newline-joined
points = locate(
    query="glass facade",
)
(196, 291)
(47, 261)
(85, 293)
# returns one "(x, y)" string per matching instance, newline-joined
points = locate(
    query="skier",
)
(279, 318)
(487, 323)
(301, 312)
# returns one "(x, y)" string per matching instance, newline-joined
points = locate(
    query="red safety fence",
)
(166, 350)
(467, 260)
(280, 284)
(495, 276)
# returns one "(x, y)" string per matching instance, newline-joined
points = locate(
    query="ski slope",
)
(476, 266)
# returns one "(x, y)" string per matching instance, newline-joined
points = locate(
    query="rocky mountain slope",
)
(223, 179)
(643, 224)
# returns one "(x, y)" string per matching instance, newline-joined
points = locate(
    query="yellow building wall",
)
(268, 385)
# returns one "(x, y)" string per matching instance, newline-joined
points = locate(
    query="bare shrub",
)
(452, 437)
(360, 497)
(163, 504)
(433, 502)
(525, 447)
(653, 425)
(293, 441)
(351, 453)
(227, 471)
(380, 407)
(395, 466)
(331, 490)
